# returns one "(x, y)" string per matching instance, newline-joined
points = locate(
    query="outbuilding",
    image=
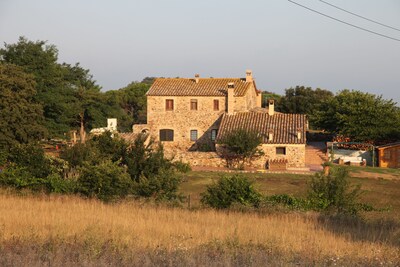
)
(389, 155)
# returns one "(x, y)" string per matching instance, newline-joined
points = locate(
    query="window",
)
(166, 135)
(281, 150)
(193, 104)
(214, 134)
(216, 104)
(193, 135)
(169, 104)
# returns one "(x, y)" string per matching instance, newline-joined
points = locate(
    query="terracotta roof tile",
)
(204, 87)
(283, 126)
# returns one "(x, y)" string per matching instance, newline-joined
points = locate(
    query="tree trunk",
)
(82, 132)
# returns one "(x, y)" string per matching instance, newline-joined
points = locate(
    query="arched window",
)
(166, 135)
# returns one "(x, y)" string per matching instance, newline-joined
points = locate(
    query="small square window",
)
(166, 135)
(281, 150)
(216, 104)
(214, 134)
(169, 104)
(193, 135)
(193, 104)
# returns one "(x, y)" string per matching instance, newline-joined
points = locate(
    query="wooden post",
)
(189, 202)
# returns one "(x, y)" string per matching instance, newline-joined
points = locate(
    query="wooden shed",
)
(389, 155)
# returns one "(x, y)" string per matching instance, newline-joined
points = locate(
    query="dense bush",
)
(20, 178)
(32, 158)
(235, 189)
(334, 193)
(162, 186)
(106, 181)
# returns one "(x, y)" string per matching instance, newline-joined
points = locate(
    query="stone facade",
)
(187, 120)
(182, 119)
(294, 154)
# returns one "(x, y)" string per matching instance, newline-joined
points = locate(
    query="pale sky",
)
(283, 44)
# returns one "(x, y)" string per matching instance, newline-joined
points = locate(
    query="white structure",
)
(112, 124)
(111, 127)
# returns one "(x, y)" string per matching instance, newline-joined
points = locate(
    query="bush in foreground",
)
(229, 190)
(333, 192)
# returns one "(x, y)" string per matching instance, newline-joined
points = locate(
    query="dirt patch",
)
(364, 174)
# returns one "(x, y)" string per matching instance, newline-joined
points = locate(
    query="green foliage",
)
(31, 157)
(153, 174)
(96, 150)
(161, 186)
(106, 181)
(21, 117)
(360, 116)
(269, 95)
(241, 145)
(334, 193)
(288, 201)
(304, 100)
(20, 178)
(230, 190)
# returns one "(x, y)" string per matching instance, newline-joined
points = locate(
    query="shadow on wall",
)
(204, 143)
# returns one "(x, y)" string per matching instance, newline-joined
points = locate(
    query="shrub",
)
(19, 178)
(240, 146)
(288, 201)
(161, 186)
(106, 181)
(334, 193)
(31, 157)
(230, 190)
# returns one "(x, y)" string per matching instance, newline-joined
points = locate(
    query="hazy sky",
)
(285, 45)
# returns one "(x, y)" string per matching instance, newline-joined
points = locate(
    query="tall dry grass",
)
(136, 226)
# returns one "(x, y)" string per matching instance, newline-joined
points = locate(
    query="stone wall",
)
(295, 155)
(209, 159)
(182, 119)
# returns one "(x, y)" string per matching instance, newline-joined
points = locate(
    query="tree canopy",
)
(21, 118)
(69, 96)
(360, 116)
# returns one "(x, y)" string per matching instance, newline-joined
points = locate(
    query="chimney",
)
(270, 135)
(271, 107)
(231, 99)
(299, 133)
(196, 77)
(249, 76)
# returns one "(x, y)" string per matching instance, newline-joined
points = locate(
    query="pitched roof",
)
(204, 87)
(283, 126)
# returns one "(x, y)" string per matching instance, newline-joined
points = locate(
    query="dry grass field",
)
(64, 230)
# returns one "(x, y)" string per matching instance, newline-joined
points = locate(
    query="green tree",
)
(230, 190)
(132, 100)
(239, 146)
(360, 116)
(304, 100)
(153, 174)
(69, 95)
(269, 95)
(21, 117)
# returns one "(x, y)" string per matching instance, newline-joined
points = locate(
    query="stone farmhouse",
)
(190, 115)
